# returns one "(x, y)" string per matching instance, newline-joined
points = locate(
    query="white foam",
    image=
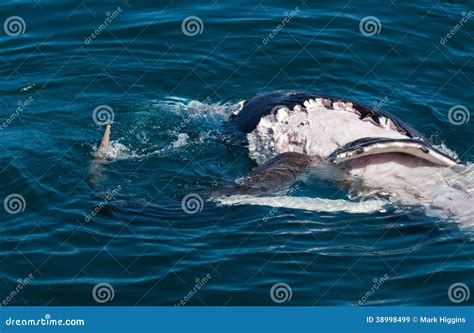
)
(181, 141)
(197, 110)
(203, 116)
(119, 151)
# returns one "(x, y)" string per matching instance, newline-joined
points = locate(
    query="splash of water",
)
(190, 116)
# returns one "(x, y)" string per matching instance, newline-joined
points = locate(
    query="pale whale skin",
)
(261, 105)
(332, 132)
(319, 127)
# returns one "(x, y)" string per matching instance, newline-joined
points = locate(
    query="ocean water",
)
(77, 232)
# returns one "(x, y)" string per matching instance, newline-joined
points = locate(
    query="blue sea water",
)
(170, 89)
